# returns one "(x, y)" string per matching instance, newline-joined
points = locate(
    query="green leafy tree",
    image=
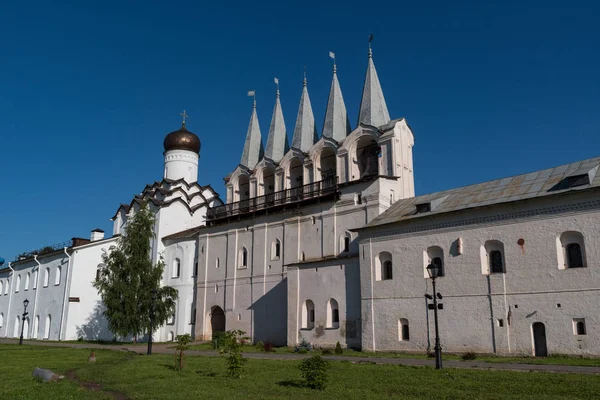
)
(314, 372)
(126, 283)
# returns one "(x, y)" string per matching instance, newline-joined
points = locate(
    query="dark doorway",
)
(217, 320)
(539, 340)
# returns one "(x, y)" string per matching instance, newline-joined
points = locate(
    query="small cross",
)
(184, 115)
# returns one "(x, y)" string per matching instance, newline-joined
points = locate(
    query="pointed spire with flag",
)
(305, 133)
(336, 125)
(253, 148)
(373, 109)
(277, 142)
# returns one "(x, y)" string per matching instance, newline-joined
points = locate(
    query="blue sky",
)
(88, 91)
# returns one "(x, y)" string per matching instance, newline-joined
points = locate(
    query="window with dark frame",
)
(580, 328)
(336, 316)
(405, 331)
(496, 265)
(574, 256)
(438, 261)
(387, 270)
(346, 244)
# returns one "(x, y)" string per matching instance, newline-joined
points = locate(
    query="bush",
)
(430, 354)
(260, 346)
(230, 348)
(301, 351)
(182, 345)
(326, 352)
(268, 347)
(338, 348)
(218, 340)
(468, 356)
(313, 370)
(304, 345)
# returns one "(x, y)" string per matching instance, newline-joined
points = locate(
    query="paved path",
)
(162, 348)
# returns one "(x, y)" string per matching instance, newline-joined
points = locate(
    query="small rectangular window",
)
(579, 326)
(500, 323)
(423, 208)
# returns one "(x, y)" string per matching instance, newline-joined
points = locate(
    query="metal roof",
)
(542, 183)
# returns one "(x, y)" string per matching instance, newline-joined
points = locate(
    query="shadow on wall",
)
(96, 326)
(270, 315)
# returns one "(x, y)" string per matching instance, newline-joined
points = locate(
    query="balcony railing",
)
(288, 196)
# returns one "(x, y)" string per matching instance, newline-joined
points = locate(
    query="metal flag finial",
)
(252, 93)
(370, 40)
(277, 83)
(332, 55)
(304, 82)
(184, 116)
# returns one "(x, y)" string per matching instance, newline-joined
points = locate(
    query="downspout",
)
(65, 298)
(10, 295)
(35, 297)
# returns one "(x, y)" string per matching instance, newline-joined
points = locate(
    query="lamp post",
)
(152, 311)
(434, 271)
(25, 304)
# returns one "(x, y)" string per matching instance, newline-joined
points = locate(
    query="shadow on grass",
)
(206, 373)
(292, 383)
(168, 366)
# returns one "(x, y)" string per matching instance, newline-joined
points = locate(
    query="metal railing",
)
(293, 195)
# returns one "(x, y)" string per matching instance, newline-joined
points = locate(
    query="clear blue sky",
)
(88, 92)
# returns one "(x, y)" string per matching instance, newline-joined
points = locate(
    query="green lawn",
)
(143, 377)
(553, 360)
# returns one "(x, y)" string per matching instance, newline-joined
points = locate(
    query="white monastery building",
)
(324, 240)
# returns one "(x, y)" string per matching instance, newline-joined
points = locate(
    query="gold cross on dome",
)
(184, 116)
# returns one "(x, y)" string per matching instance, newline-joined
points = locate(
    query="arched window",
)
(18, 283)
(217, 263)
(27, 278)
(170, 336)
(434, 255)
(47, 277)
(1, 319)
(36, 327)
(333, 314)
(35, 278)
(308, 315)
(581, 328)
(57, 278)
(367, 157)
(383, 266)
(176, 269)
(403, 330)
(47, 327)
(243, 258)
(275, 249)
(492, 257)
(1, 286)
(6, 288)
(328, 166)
(571, 250)
(296, 174)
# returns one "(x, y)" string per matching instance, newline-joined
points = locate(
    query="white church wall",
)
(533, 288)
(84, 316)
(181, 164)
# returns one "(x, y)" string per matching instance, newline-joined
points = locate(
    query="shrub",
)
(260, 346)
(217, 340)
(301, 351)
(338, 348)
(268, 347)
(468, 356)
(304, 345)
(430, 354)
(182, 345)
(313, 370)
(230, 348)
(326, 352)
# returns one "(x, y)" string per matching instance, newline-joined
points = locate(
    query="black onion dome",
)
(182, 139)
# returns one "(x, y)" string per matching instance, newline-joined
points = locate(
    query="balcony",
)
(315, 191)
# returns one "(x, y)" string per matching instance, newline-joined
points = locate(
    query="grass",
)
(143, 377)
(551, 360)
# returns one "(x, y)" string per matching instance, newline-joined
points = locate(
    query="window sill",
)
(332, 328)
(243, 267)
(307, 329)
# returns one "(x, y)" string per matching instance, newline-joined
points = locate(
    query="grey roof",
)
(373, 110)
(542, 183)
(277, 142)
(253, 147)
(305, 132)
(336, 125)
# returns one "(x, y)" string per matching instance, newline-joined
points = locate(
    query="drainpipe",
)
(10, 296)
(35, 297)
(65, 298)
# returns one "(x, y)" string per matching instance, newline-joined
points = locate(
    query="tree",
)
(126, 283)
(183, 342)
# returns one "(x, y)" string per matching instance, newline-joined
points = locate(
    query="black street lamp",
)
(434, 271)
(149, 352)
(25, 304)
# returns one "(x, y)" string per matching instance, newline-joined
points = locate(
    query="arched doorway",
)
(26, 328)
(539, 340)
(217, 320)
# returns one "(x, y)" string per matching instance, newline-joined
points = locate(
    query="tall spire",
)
(336, 125)
(253, 148)
(373, 110)
(305, 133)
(277, 142)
